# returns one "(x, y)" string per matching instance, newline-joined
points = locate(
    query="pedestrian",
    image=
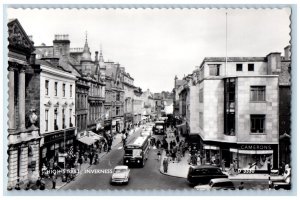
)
(223, 165)
(165, 165)
(80, 161)
(91, 155)
(158, 155)
(270, 183)
(54, 181)
(231, 169)
(17, 187)
(158, 144)
(235, 167)
(241, 186)
(269, 165)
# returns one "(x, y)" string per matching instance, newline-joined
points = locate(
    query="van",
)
(202, 174)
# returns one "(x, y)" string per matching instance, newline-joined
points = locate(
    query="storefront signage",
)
(59, 136)
(256, 147)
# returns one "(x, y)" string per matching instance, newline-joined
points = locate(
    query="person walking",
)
(158, 155)
(54, 181)
(165, 165)
(223, 165)
(269, 165)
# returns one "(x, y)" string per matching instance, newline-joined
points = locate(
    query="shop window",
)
(258, 93)
(214, 70)
(239, 67)
(257, 123)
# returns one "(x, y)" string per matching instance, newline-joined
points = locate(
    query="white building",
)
(234, 110)
(57, 109)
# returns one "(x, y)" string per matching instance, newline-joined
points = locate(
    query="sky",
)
(154, 45)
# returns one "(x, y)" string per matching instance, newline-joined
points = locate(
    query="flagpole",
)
(226, 48)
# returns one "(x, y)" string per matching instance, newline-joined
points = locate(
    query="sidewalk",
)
(85, 165)
(180, 169)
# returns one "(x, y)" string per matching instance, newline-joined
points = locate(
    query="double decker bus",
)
(136, 152)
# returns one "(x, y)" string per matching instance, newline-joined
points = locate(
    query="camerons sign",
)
(255, 147)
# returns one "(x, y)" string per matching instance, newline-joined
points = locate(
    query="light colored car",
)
(217, 184)
(120, 174)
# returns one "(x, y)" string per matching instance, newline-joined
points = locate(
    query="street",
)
(148, 177)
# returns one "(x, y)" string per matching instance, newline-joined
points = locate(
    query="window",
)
(71, 88)
(214, 70)
(70, 119)
(118, 97)
(251, 67)
(46, 87)
(64, 90)
(117, 111)
(46, 120)
(258, 93)
(55, 88)
(201, 95)
(63, 118)
(201, 120)
(55, 120)
(239, 67)
(257, 123)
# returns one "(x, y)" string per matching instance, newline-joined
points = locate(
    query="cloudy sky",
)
(154, 45)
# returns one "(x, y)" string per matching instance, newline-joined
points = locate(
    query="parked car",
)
(120, 174)
(285, 182)
(203, 174)
(217, 184)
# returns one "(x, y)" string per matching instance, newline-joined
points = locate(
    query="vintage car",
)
(283, 182)
(217, 184)
(202, 174)
(120, 175)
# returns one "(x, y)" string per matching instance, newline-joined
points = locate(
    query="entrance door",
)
(226, 156)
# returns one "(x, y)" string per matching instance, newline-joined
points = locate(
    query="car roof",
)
(204, 167)
(121, 167)
(219, 180)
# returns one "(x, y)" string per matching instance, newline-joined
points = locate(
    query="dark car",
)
(203, 174)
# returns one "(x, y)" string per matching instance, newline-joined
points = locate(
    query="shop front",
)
(256, 157)
(56, 143)
(128, 120)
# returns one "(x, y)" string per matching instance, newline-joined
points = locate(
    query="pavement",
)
(86, 165)
(180, 169)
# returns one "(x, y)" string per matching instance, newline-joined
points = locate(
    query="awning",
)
(211, 147)
(94, 135)
(251, 151)
(87, 140)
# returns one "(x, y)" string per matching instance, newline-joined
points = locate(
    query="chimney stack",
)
(287, 52)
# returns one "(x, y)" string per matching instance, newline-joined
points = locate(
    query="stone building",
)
(128, 83)
(114, 96)
(23, 108)
(235, 110)
(90, 83)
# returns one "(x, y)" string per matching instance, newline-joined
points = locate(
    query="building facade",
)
(233, 110)
(57, 110)
(23, 108)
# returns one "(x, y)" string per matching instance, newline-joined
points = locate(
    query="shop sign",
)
(256, 147)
